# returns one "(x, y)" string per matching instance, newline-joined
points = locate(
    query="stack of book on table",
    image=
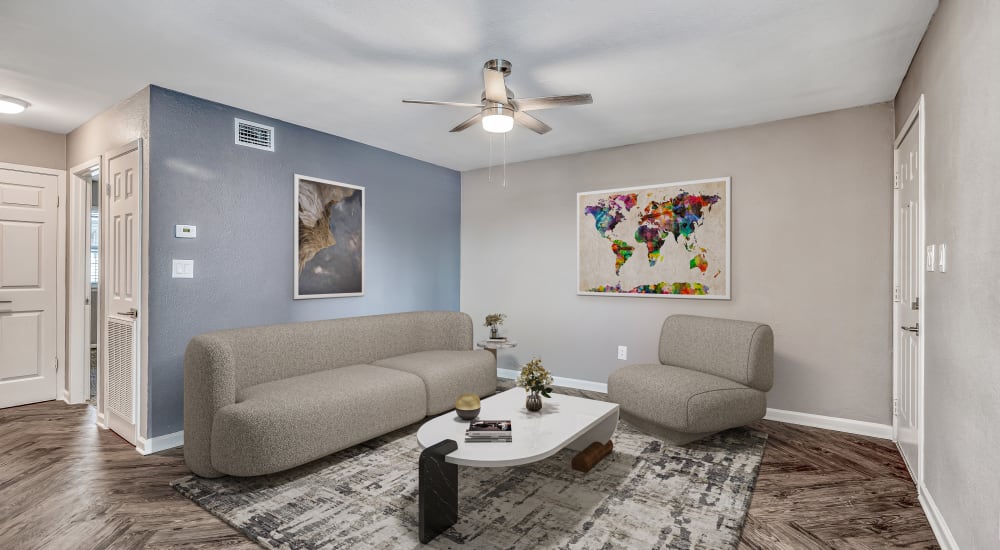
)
(488, 431)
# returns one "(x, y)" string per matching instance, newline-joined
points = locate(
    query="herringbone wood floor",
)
(65, 484)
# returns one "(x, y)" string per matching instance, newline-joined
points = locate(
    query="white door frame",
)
(918, 115)
(60, 265)
(78, 343)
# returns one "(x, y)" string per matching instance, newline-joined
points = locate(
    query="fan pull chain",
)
(490, 169)
(505, 160)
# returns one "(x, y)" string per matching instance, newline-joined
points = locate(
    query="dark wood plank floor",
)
(64, 483)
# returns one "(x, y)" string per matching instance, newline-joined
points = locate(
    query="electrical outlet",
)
(623, 353)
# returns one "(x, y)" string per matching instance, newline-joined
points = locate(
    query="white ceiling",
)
(656, 69)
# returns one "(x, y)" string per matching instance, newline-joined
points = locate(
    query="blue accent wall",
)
(241, 199)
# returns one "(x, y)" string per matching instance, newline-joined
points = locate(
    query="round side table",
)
(493, 345)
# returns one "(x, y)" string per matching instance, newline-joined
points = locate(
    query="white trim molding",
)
(560, 381)
(934, 517)
(77, 375)
(871, 429)
(159, 443)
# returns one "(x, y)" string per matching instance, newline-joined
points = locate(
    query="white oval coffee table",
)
(565, 422)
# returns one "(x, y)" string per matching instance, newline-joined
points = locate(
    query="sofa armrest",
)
(209, 385)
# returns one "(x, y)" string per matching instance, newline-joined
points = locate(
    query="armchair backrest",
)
(741, 351)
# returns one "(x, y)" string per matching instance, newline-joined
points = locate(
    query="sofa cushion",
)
(684, 400)
(281, 424)
(448, 374)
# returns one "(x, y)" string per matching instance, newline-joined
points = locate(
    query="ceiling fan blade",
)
(496, 90)
(448, 103)
(530, 122)
(538, 103)
(471, 121)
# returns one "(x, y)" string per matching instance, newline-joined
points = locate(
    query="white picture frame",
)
(587, 245)
(322, 208)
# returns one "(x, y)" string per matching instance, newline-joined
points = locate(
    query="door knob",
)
(132, 312)
(915, 329)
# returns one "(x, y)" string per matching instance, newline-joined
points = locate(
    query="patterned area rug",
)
(92, 396)
(645, 495)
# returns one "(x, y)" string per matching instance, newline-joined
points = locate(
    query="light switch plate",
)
(942, 257)
(185, 231)
(930, 257)
(183, 269)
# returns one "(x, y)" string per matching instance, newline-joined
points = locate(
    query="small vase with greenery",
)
(535, 380)
(494, 320)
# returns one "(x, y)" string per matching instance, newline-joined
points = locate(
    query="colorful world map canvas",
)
(668, 240)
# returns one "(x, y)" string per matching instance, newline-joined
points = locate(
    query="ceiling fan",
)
(499, 109)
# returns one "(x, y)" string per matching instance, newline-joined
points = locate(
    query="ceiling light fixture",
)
(12, 105)
(498, 119)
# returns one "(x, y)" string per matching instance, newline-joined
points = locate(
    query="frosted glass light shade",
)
(12, 105)
(498, 124)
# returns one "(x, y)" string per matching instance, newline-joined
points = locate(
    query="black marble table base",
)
(438, 490)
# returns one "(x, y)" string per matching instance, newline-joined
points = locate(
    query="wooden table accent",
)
(589, 457)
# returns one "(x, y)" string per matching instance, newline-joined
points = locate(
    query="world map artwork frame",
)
(680, 233)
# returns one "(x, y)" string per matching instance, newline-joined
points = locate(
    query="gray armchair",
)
(713, 375)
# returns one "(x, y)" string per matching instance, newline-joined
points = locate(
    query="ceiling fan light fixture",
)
(12, 105)
(498, 119)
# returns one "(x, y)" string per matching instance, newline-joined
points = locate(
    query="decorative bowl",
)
(467, 406)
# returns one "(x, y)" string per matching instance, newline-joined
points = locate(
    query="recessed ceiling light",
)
(12, 105)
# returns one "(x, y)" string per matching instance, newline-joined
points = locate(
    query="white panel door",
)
(909, 265)
(28, 214)
(121, 284)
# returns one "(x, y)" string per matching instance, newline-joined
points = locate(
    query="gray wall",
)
(32, 147)
(811, 255)
(957, 68)
(242, 201)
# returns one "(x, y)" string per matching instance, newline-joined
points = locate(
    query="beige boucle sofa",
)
(264, 399)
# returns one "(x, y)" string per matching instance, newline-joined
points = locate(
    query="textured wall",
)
(957, 70)
(32, 147)
(120, 125)
(811, 255)
(242, 201)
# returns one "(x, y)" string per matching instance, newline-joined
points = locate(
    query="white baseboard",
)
(934, 517)
(160, 443)
(560, 381)
(101, 421)
(65, 396)
(871, 429)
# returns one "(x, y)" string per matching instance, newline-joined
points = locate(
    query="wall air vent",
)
(254, 135)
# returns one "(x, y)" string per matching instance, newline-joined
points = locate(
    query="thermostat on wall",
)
(185, 231)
